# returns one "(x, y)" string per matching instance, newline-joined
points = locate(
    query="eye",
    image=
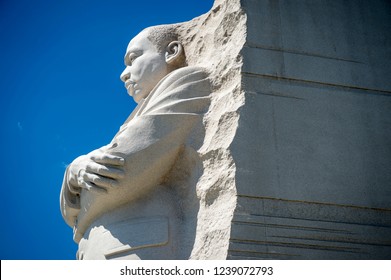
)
(131, 58)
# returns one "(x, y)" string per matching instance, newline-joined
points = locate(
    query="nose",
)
(125, 75)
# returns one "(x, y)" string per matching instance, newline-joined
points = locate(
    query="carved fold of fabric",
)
(69, 203)
(150, 141)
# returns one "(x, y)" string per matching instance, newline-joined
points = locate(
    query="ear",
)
(174, 52)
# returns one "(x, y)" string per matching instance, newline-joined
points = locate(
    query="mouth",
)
(129, 83)
(130, 86)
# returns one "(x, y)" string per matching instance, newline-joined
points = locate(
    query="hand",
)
(97, 171)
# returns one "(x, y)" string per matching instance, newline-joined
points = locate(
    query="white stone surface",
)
(140, 162)
(312, 149)
(271, 141)
(170, 171)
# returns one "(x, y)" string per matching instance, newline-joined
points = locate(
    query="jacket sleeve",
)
(69, 201)
(150, 143)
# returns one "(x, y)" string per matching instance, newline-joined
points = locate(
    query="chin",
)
(137, 96)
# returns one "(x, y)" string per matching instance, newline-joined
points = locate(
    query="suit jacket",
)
(150, 140)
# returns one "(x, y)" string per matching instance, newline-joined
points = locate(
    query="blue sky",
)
(61, 97)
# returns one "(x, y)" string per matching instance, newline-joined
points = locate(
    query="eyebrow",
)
(131, 53)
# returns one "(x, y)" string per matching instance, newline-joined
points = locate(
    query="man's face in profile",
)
(145, 67)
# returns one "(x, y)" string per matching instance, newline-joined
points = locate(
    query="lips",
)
(130, 87)
(129, 84)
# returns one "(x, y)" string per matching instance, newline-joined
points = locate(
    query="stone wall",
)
(312, 149)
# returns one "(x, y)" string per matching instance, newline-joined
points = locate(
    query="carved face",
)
(145, 67)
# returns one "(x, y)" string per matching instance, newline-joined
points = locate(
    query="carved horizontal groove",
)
(297, 245)
(297, 52)
(273, 254)
(367, 90)
(238, 257)
(336, 240)
(259, 224)
(314, 202)
(317, 219)
(274, 94)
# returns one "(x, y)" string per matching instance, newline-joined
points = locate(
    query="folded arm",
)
(97, 171)
(140, 155)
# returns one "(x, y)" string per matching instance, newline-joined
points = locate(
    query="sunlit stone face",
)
(145, 67)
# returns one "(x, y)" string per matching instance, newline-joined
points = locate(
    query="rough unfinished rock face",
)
(295, 152)
(215, 41)
(297, 144)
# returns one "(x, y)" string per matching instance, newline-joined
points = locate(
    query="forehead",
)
(140, 43)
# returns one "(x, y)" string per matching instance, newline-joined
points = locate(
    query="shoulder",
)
(185, 89)
(182, 76)
(188, 71)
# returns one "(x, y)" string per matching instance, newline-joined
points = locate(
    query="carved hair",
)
(162, 35)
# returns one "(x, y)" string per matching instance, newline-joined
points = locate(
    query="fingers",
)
(85, 181)
(100, 172)
(90, 187)
(105, 171)
(99, 181)
(108, 159)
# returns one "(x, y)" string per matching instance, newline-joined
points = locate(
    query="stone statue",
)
(128, 199)
(278, 150)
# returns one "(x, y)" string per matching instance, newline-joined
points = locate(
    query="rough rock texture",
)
(298, 135)
(214, 41)
(295, 156)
